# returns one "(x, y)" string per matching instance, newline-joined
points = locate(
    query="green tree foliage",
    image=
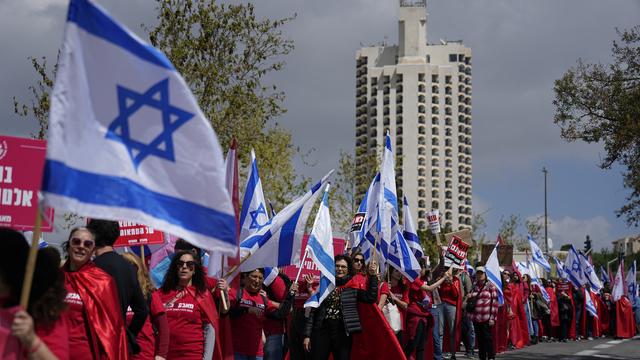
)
(38, 108)
(509, 228)
(599, 103)
(343, 198)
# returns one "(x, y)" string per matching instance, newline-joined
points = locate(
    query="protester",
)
(189, 307)
(484, 298)
(552, 329)
(298, 319)
(96, 327)
(468, 334)
(250, 307)
(358, 264)
(40, 332)
(450, 294)
(153, 344)
(277, 288)
(106, 233)
(538, 309)
(399, 296)
(330, 326)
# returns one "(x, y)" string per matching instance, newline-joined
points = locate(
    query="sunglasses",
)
(78, 242)
(190, 264)
(357, 260)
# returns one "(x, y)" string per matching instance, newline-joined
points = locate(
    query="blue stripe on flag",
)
(113, 191)
(248, 195)
(320, 254)
(287, 235)
(496, 280)
(92, 19)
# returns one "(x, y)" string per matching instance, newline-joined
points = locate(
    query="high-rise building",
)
(421, 94)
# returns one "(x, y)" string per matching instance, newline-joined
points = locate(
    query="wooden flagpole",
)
(144, 263)
(31, 261)
(223, 298)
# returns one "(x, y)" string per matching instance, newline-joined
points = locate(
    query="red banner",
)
(309, 267)
(134, 234)
(21, 166)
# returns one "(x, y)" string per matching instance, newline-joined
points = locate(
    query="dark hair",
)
(106, 232)
(261, 270)
(182, 244)
(170, 281)
(349, 263)
(46, 300)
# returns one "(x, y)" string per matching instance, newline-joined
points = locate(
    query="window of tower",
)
(422, 140)
(447, 121)
(434, 78)
(422, 193)
(422, 98)
(398, 130)
(434, 194)
(447, 184)
(447, 100)
(422, 120)
(422, 109)
(399, 89)
(435, 142)
(374, 81)
(398, 98)
(386, 79)
(421, 172)
(447, 153)
(435, 205)
(447, 79)
(422, 204)
(434, 100)
(420, 76)
(447, 215)
(435, 183)
(434, 89)
(398, 119)
(422, 88)
(447, 90)
(386, 90)
(447, 174)
(399, 109)
(434, 110)
(385, 121)
(447, 132)
(421, 182)
(447, 205)
(435, 173)
(448, 163)
(421, 161)
(434, 131)
(434, 162)
(434, 120)
(434, 151)
(447, 142)
(453, 57)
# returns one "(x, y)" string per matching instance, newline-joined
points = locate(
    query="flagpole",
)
(306, 252)
(223, 298)
(144, 264)
(31, 261)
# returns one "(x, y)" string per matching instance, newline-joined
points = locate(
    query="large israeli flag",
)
(388, 201)
(573, 268)
(590, 273)
(537, 256)
(492, 270)
(254, 215)
(278, 243)
(410, 234)
(401, 257)
(364, 240)
(127, 140)
(320, 249)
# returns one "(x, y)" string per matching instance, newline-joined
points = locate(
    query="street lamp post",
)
(546, 237)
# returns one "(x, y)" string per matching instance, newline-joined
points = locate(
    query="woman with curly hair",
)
(152, 346)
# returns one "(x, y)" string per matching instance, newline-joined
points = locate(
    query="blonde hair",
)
(143, 275)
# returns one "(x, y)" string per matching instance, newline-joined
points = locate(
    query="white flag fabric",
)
(410, 234)
(632, 285)
(588, 303)
(492, 270)
(278, 244)
(364, 239)
(254, 215)
(537, 255)
(590, 273)
(320, 249)
(127, 139)
(535, 280)
(619, 287)
(573, 268)
(559, 268)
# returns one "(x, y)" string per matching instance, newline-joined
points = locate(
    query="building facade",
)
(627, 245)
(421, 94)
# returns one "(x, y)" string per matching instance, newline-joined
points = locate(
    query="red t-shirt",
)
(383, 288)
(248, 327)
(449, 293)
(79, 342)
(416, 296)
(186, 324)
(403, 295)
(56, 337)
(279, 292)
(146, 339)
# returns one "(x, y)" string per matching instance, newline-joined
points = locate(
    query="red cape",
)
(553, 306)
(499, 331)
(521, 313)
(516, 335)
(603, 315)
(458, 321)
(97, 289)
(625, 321)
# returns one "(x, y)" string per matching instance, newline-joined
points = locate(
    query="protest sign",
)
(457, 250)
(358, 220)
(434, 221)
(21, 167)
(134, 234)
(309, 267)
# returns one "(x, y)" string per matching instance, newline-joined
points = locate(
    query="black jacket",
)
(349, 298)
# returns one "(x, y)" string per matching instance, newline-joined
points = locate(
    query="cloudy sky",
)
(519, 48)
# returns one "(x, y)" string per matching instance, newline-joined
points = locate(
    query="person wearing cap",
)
(485, 310)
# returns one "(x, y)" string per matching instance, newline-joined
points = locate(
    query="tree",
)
(599, 103)
(509, 227)
(343, 198)
(39, 106)
(478, 236)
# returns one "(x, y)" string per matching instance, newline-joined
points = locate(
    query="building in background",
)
(627, 245)
(421, 93)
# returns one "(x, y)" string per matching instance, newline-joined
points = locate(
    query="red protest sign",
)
(456, 252)
(21, 167)
(134, 234)
(309, 267)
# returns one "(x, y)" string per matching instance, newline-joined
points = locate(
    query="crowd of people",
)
(94, 303)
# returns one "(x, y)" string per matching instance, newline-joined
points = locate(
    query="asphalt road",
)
(603, 348)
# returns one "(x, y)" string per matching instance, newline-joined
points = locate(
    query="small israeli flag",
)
(560, 268)
(573, 268)
(410, 234)
(590, 273)
(320, 248)
(127, 139)
(588, 303)
(537, 255)
(492, 270)
(254, 215)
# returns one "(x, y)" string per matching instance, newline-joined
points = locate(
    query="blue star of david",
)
(129, 102)
(575, 265)
(254, 217)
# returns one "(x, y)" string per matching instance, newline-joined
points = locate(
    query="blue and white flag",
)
(363, 239)
(389, 223)
(537, 256)
(254, 215)
(535, 280)
(589, 305)
(492, 270)
(559, 268)
(270, 274)
(401, 257)
(468, 267)
(604, 276)
(127, 139)
(410, 234)
(320, 249)
(590, 273)
(573, 268)
(632, 285)
(278, 244)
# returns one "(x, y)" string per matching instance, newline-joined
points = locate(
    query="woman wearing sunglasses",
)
(96, 328)
(189, 307)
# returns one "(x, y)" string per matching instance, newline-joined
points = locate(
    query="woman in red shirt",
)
(152, 346)
(189, 306)
(399, 296)
(96, 327)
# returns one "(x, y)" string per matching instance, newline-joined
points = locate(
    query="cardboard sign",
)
(134, 234)
(21, 168)
(434, 221)
(505, 254)
(358, 221)
(456, 253)
(309, 267)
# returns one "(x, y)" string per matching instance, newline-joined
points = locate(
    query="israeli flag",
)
(401, 257)
(589, 305)
(492, 270)
(364, 240)
(127, 139)
(468, 267)
(537, 256)
(590, 273)
(278, 244)
(604, 277)
(410, 234)
(560, 268)
(573, 268)
(320, 249)
(254, 215)
(388, 202)
(535, 280)
(270, 275)
(632, 285)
